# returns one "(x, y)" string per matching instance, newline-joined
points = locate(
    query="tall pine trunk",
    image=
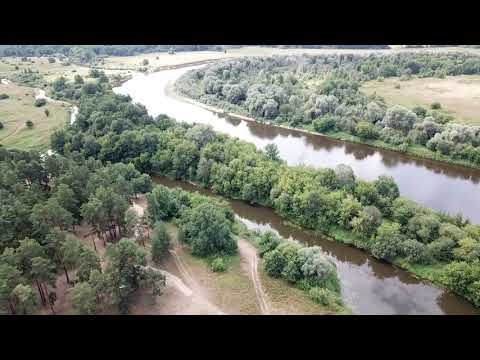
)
(40, 291)
(66, 274)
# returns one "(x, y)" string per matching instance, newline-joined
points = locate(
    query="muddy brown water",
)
(369, 286)
(440, 186)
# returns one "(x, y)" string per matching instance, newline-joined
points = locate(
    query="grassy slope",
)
(19, 108)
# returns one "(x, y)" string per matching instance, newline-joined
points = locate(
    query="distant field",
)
(50, 71)
(458, 95)
(164, 59)
(19, 108)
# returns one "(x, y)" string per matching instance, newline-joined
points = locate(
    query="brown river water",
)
(369, 286)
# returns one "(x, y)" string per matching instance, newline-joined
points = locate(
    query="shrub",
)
(40, 102)
(415, 252)
(47, 112)
(420, 111)
(1, 125)
(324, 124)
(442, 249)
(317, 269)
(388, 241)
(268, 242)
(397, 86)
(436, 106)
(325, 297)
(29, 124)
(218, 265)
(367, 130)
(4, 96)
(274, 263)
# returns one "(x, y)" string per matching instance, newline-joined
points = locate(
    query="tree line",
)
(322, 93)
(369, 215)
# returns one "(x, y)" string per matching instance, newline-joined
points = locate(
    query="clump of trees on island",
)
(322, 93)
(369, 215)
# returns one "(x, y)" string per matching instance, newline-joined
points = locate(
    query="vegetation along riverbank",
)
(324, 94)
(368, 215)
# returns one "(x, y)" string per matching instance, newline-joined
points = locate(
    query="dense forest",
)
(368, 215)
(323, 94)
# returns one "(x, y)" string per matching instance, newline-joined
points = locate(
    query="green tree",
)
(160, 241)
(207, 230)
(272, 152)
(83, 298)
(88, 261)
(24, 298)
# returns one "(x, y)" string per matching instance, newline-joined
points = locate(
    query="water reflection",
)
(440, 186)
(369, 286)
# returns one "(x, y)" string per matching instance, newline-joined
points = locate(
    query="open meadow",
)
(459, 96)
(18, 108)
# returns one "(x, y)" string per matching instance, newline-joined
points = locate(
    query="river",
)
(369, 286)
(440, 186)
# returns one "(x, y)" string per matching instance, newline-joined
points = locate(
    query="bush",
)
(367, 130)
(442, 249)
(47, 112)
(218, 265)
(325, 297)
(1, 125)
(274, 263)
(29, 124)
(415, 252)
(325, 124)
(436, 106)
(4, 96)
(397, 86)
(40, 102)
(268, 242)
(420, 111)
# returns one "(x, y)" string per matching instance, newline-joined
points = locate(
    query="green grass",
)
(19, 108)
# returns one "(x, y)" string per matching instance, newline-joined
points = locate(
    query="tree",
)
(160, 241)
(272, 152)
(43, 271)
(317, 269)
(132, 223)
(400, 118)
(29, 124)
(387, 187)
(207, 230)
(10, 277)
(388, 241)
(70, 255)
(88, 261)
(126, 273)
(349, 209)
(268, 242)
(345, 177)
(367, 222)
(83, 298)
(24, 298)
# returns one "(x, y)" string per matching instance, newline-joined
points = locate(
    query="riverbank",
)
(430, 273)
(417, 152)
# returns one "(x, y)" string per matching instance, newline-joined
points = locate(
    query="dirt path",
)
(194, 295)
(248, 253)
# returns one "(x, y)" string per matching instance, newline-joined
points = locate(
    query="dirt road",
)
(249, 256)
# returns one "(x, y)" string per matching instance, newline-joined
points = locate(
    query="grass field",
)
(49, 71)
(19, 108)
(458, 95)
